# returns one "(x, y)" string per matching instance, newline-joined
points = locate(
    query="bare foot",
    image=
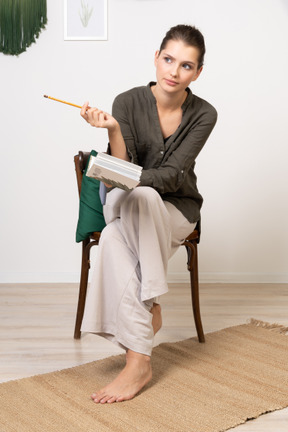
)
(157, 317)
(135, 375)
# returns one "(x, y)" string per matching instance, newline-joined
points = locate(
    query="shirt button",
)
(162, 152)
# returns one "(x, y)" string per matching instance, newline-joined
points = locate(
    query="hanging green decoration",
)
(20, 23)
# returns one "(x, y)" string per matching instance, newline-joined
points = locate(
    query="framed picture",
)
(85, 19)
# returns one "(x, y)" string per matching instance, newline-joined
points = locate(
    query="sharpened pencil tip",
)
(45, 96)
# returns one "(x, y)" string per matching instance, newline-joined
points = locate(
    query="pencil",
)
(58, 100)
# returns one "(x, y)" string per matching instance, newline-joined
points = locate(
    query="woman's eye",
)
(187, 66)
(167, 59)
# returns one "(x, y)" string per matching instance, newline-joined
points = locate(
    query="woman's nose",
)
(174, 71)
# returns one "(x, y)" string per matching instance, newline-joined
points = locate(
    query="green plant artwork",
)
(20, 24)
(86, 13)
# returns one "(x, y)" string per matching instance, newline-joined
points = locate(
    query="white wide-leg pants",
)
(142, 233)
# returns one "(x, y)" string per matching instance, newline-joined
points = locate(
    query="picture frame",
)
(85, 20)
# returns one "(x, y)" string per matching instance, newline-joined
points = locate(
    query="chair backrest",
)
(198, 228)
(80, 161)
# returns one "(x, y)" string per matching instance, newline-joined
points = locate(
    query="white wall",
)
(242, 170)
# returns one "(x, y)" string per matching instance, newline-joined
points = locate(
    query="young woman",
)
(161, 127)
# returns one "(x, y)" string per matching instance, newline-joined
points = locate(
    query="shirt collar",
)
(185, 103)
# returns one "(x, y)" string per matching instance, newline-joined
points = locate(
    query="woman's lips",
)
(170, 82)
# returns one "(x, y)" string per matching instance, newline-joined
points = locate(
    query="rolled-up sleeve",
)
(123, 116)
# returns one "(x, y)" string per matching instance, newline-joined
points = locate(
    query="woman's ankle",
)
(157, 317)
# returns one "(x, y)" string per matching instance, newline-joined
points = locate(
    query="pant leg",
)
(113, 307)
(131, 266)
(180, 227)
(146, 226)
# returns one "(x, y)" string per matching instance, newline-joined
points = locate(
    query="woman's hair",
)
(191, 36)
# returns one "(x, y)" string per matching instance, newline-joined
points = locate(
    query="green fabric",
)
(91, 217)
(20, 23)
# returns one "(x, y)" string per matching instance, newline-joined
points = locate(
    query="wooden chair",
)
(190, 244)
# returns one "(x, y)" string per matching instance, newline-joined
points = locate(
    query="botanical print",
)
(85, 19)
(86, 13)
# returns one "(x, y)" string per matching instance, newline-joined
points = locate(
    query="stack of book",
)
(113, 171)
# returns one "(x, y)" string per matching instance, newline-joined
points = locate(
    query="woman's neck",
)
(168, 102)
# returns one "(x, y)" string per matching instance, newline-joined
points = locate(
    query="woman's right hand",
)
(98, 118)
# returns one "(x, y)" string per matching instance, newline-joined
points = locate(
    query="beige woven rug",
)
(238, 374)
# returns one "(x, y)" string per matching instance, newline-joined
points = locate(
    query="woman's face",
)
(176, 66)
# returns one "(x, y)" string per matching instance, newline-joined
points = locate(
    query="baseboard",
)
(213, 277)
(173, 277)
(61, 277)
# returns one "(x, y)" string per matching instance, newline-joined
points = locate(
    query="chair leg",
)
(194, 282)
(82, 289)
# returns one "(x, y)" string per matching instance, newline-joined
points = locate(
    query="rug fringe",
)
(278, 328)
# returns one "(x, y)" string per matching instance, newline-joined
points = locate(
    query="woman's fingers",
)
(96, 117)
(101, 118)
(84, 109)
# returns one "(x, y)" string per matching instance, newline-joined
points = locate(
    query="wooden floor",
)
(37, 321)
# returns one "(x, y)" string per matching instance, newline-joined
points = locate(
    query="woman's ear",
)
(157, 53)
(197, 73)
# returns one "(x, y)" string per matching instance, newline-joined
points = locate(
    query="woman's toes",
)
(105, 399)
(97, 397)
(112, 399)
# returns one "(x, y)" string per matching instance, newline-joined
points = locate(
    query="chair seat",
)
(95, 236)
(193, 236)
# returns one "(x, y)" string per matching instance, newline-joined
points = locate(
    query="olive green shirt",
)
(168, 165)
